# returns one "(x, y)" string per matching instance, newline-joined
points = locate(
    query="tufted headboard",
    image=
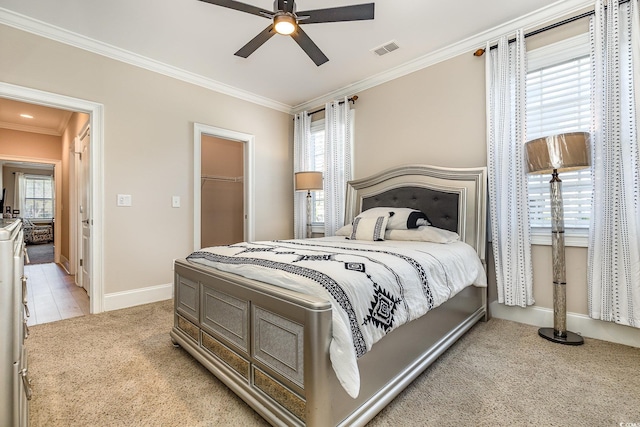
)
(453, 199)
(440, 207)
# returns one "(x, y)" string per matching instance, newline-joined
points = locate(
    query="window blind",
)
(558, 101)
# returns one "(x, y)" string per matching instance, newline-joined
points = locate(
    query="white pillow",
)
(420, 234)
(424, 233)
(399, 218)
(344, 231)
(371, 229)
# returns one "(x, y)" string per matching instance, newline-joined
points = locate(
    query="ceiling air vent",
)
(386, 48)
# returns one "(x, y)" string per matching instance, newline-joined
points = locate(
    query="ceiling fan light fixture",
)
(284, 23)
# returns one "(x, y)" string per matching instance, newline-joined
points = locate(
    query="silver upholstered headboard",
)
(453, 199)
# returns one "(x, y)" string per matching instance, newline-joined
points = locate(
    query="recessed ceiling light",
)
(26, 116)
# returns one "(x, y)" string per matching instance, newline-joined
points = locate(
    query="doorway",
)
(41, 179)
(94, 176)
(222, 189)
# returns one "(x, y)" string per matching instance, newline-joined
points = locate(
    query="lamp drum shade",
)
(563, 152)
(308, 181)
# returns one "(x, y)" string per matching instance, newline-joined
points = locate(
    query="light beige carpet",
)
(120, 369)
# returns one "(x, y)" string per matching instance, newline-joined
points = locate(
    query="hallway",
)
(52, 294)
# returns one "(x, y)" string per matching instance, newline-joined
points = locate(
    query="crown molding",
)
(532, 20)
(52, 32)
(544, 15)
(27, 128)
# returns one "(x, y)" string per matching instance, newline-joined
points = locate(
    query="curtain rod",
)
(481, 51)
(353, 100)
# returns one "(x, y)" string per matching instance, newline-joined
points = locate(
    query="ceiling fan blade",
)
(358, 12)
(242, 7)
(309, 47)
(256, 42)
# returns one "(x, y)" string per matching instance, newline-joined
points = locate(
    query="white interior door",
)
(83, 275)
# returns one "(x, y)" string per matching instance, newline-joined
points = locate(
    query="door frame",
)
(199, 130)
(76, 202)
(96, 172)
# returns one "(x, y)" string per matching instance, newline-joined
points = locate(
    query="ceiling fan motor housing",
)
(289, 8)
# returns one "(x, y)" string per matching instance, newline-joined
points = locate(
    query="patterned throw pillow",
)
(371, 229)
(399, 218)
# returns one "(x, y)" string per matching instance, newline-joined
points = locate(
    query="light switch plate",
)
(175, 202)
(124, 200)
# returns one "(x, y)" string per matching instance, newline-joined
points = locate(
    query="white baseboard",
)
(64, 262)
(125, 299)
(578, 323)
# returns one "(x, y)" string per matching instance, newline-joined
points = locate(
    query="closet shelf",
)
(221, 178)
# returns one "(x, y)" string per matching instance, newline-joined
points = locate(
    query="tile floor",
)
(52, 294)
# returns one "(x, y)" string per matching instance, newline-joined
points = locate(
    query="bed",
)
(271, 345)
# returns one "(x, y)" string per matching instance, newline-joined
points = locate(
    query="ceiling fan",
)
(287, 21)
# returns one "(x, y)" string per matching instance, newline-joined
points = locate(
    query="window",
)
(559, 100)
(317, 154)
(38, 202)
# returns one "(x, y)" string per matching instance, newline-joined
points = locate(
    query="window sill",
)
(572, 238)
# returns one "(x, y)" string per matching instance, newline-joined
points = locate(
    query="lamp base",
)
(571, 338)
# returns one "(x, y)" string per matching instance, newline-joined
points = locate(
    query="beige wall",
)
(30, 145)
(437, 116)
(432, 116)
(148, 152)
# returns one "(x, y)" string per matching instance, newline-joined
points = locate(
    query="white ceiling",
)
(197, 40)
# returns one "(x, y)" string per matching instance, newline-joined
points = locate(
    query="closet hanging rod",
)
(481, 51)
(222, 178)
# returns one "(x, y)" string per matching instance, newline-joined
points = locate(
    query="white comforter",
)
(374, 287)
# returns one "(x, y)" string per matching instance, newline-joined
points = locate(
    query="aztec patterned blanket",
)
(374, 287)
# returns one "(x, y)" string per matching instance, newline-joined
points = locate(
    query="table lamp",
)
(308, 181)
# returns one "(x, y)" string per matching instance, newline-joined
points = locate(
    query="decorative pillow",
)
(400, 218)
(424, 233)
(371, 229)
(345, 231)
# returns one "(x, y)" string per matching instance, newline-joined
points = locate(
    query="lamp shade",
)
(564, 152)
(308, 181)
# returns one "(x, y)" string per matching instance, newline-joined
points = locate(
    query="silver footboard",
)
(271, 346)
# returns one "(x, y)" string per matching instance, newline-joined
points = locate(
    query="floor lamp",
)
(563, 152)
(308, 181)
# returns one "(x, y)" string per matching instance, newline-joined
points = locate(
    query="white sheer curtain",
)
(19, 193)
(302, 161)
(338, 169)
(509, 209)
(614, 235)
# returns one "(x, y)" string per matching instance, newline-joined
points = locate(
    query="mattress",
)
(374, 287)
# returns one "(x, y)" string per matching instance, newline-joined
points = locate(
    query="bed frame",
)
(271, 345)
